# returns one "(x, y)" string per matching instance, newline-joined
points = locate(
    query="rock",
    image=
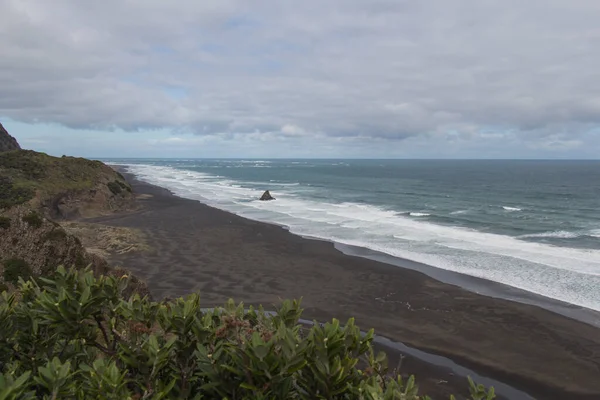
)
(7, 142)
(266, 196)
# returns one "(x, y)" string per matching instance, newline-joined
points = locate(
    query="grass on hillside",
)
(24, 173)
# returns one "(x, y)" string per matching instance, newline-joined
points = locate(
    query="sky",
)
(311, 78)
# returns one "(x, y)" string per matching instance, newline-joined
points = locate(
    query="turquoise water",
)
(534, 225)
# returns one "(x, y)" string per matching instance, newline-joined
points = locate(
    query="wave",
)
(511, 208)
(567, 274)
(274, 182)
(459, 212)
(563, 234)
(418, 214)
(552, 234)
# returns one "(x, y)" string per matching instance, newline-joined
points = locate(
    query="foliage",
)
(123, 184)
(16, 268)
(114, 187)
(76, 336)
(55, 234)
(11, 195)
(4, 222)
(24, 173)
(33, 218)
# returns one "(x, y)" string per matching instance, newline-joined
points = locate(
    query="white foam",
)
(562, 234)
(552, 234)
(511, 208)
(419, 214)
(594, 233)
(459, 212)
(568, 274)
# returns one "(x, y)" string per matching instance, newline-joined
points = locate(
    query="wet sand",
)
(195, 247)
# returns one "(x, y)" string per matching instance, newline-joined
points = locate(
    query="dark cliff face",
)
(7, 142)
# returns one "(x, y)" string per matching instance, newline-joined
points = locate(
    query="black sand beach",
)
(195, 247)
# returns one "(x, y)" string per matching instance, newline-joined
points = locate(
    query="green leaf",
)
(249, 387)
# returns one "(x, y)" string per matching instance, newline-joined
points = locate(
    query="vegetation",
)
(4, 222)
(114, 187)
(76, 336)
(123, 185)
(16, 268)
(24, 173)
(56, 234)
(11, 195)
(34, 219)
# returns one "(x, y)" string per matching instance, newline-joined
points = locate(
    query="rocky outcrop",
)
(43, 245)
(7, 142)
(266, 196)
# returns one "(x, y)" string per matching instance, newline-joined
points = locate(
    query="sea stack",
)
(267, 196)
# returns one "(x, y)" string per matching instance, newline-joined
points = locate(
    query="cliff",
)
(38, 245)
(7, 142)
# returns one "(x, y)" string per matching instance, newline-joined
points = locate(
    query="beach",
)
(194, 247)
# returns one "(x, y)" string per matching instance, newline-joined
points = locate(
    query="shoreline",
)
(478, 285)
(485, 334)
(475, 284)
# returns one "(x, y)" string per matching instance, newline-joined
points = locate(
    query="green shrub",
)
(124, 186)
(4, 222)
(55, 234)
(11, 195)
(24, 161)
(15, 268)
(114, 187)
(76, 336)
(34, 219)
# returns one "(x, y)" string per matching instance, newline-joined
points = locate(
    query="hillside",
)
(7, 142)
(61, 188)
(35, 191)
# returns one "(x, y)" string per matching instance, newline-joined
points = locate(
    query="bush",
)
(34, 219)
(15, 268)
(124, 186)
(24, 161)
(114, 187)
(55, 234)
(76, 336)
(4, 222)
(11, 195)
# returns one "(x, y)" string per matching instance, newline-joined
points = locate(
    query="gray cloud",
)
(342, 68)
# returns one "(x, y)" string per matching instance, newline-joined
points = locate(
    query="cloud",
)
(383, 69)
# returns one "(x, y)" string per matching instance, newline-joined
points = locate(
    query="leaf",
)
(249, 387)
(85, 295)
(261, 351)
(22, 379)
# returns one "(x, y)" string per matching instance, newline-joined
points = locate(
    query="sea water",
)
(533, 225)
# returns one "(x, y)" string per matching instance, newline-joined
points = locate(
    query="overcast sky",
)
(310, 78)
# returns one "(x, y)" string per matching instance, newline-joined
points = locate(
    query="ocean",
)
(532, 225)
